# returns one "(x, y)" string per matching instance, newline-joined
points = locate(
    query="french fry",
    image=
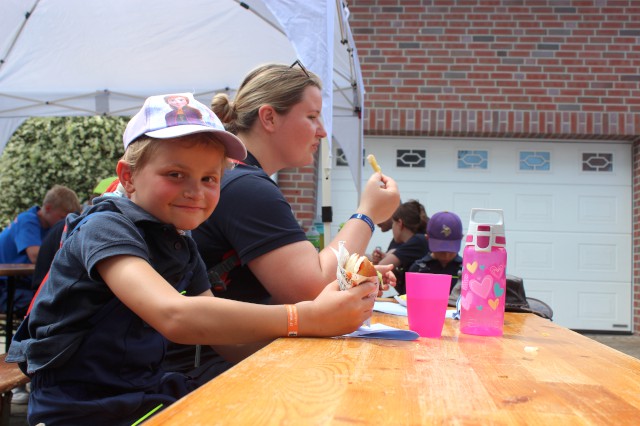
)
(374, 164)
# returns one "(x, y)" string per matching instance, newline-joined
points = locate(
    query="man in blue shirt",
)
(20, 241)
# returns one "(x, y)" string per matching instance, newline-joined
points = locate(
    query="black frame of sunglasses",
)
(298, 63)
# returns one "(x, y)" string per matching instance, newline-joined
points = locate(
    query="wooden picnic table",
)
(12, 271)
(537, 373)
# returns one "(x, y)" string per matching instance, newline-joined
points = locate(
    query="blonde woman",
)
(254, 242)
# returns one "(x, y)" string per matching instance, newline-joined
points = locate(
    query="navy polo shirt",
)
(253, 218)
(66, 307)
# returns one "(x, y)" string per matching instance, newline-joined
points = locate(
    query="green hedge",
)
(73, 151)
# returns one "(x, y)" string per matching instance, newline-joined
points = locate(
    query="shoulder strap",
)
(218, 274)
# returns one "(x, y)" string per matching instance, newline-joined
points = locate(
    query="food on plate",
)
(374, 164)
(358, 269)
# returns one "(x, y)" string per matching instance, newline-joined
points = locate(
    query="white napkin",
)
(381, 331)
(390, 308)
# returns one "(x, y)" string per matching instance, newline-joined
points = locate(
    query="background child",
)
(444, 231)
(123, 280)
(409, 231)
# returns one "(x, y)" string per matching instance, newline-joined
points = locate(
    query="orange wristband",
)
(292, 320)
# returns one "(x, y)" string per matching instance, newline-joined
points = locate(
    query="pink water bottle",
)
(484, 283)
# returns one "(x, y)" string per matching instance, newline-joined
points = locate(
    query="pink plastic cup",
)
(427, 300)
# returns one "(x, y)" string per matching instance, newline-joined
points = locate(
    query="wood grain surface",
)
(537, 373)
(16, 269)
(10, 375)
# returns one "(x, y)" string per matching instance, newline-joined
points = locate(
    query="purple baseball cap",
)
(180, 114)
(445, 232)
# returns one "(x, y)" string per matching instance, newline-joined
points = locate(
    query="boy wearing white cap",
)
(444, 231)
(128, 278)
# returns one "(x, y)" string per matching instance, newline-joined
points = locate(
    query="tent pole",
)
(325, 160)
(5, 55)
(360, 159)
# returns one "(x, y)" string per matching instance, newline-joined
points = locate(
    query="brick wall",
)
(300, 188)
(553, 69)
(504, 68)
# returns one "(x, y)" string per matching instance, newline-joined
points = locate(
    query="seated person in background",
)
(377, 254)
(128, 277)
(20, 241)
(51, 243)
(48, 248)
(409, 229)
(445, 237)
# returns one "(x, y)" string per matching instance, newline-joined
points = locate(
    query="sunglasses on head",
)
(298, 63)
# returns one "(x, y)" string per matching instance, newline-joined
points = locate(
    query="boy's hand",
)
(335, 312)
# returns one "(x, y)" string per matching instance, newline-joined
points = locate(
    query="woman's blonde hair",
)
(277, 85)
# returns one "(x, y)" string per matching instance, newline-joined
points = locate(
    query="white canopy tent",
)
(95, 57)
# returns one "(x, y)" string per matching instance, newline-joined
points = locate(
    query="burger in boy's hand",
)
(358, 269)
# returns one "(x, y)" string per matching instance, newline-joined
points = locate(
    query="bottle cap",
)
(486, 234)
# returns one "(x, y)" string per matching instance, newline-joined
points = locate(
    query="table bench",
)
(10, 377)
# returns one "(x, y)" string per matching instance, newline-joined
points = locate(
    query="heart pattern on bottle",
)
(471, 267)
(482, 288)
(497, 290)
(465, 282)
(497, 270)
(494, 303)
(466, 301)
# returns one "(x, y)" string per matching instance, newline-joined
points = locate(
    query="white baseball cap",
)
(180, 114)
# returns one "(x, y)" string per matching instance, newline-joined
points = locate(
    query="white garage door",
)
(567, 210)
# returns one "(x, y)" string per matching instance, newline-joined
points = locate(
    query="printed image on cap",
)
(179, 114)
(166, 111)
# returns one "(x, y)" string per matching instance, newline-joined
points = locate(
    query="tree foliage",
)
(73, 151)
